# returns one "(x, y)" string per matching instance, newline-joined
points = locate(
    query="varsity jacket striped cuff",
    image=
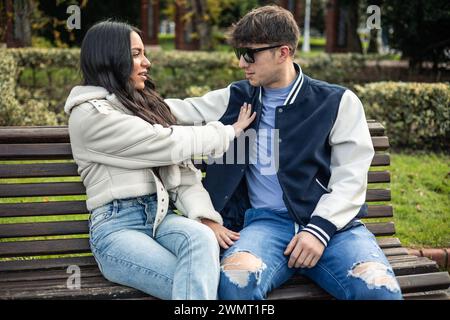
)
(321, 228)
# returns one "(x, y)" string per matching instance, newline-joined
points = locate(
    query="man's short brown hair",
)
(269, 24)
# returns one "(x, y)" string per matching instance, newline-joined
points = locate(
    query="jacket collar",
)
(82, 94)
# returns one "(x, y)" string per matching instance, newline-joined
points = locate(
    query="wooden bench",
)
(36, 255)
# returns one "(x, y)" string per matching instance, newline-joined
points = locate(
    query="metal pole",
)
(306, 47)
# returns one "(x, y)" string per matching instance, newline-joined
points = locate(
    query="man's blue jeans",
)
(180, 262)
(352, 266)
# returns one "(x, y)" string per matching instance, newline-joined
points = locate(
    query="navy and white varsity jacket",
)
(325, 151)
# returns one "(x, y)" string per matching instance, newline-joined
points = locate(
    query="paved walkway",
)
(440, 255)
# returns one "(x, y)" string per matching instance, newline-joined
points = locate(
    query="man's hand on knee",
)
(304, 250)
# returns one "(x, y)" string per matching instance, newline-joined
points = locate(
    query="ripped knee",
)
(240, 265)
(242, 261)
(375, 275)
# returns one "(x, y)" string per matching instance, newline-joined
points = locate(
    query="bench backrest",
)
(42, 199)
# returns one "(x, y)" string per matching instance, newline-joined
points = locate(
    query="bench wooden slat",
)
(379, 177)
(44, 247)
(428, 295)
(378, 195)
(403, 258)
(395, 251)
(44, 208)
(417, 266)
(45, 284)
(41, 189)
(308, 291)
(35, 134)
(380, 160)
(38, 170)
(381, 228)
(380, 143)
(375, 128)
(86, 272)
(388, 242)
(424, 282)
(46, 264)
(51, 151)
(379, 211)
(14, 230)
(94, 288)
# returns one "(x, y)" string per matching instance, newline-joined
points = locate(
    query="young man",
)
(301, 214)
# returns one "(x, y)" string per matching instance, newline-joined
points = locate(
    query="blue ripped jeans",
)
(180, 262)
(266, 235)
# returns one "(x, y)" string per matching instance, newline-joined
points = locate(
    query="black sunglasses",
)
(249, 53)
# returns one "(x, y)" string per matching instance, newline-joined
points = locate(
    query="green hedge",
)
(23, 105)
(416, 115)
(34, 84)
(178, 73)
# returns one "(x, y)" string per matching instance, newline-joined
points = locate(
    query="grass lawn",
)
(420, 196)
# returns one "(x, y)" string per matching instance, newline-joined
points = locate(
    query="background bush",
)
(416, 115)
(34, 84)
(31, 92)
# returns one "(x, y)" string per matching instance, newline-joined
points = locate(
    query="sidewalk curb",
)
(440, 255)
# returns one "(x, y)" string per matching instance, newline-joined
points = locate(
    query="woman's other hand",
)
(224, 236)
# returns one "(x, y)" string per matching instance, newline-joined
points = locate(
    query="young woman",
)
(135, 164)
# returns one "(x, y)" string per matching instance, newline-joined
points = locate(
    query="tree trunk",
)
(374, 46)
(354, 42)
(202, 23)
(22, 25)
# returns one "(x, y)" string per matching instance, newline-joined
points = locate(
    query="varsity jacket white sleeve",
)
(198, 110)
(351, 155)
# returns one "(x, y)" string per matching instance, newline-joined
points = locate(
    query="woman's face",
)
(140, 62)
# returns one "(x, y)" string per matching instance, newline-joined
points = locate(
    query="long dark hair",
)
(106, 61)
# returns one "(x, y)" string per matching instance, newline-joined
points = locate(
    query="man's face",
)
(264, 71)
